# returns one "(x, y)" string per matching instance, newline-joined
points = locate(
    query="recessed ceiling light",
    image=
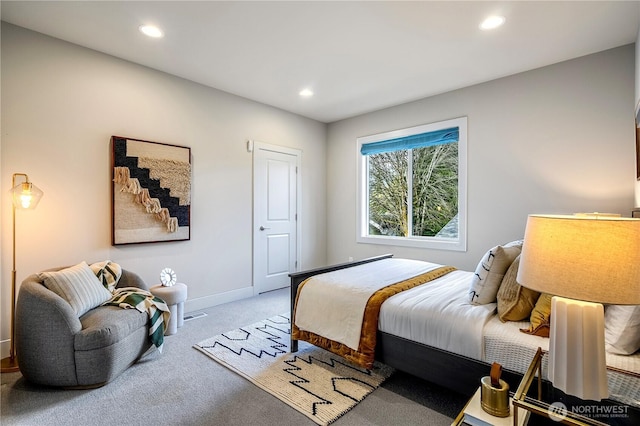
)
(492, 22)
(306, 93)
(151, 31)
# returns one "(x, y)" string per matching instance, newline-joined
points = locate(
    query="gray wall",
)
(61, 103)
(558, 139)
(554, 140)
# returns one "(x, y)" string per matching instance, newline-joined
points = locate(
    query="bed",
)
(463, 340)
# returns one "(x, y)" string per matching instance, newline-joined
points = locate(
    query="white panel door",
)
(275, 234)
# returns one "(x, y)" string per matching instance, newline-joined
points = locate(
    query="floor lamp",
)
(583, 261)
(25, 195)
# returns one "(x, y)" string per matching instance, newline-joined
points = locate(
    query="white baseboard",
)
(4, 348)
(191, 305)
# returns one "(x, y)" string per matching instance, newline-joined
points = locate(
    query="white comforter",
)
(318, 310)
(438, 314)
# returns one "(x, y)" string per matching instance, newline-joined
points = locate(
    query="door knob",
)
(262, 228)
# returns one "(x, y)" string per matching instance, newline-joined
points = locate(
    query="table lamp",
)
(25, 195)
(583, 261)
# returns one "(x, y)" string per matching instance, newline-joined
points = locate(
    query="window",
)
(412, 189)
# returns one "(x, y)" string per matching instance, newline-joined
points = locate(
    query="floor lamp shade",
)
(24, 195)
(581, 259)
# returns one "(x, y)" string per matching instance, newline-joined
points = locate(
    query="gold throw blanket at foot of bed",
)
(365, 354)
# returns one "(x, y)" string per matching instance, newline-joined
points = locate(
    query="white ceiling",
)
(356, 56)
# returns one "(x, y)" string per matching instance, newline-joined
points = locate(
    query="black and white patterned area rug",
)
(319, 384)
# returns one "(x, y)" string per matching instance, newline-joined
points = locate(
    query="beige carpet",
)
(315, 382)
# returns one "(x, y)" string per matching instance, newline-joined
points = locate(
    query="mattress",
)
(438, 314)
(505, 344)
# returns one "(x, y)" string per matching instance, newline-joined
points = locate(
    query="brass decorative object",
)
(494, 393)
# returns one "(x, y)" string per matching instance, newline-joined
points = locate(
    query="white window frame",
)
(457, 244)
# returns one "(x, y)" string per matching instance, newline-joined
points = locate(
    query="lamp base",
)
(9, 365)
(577, 360)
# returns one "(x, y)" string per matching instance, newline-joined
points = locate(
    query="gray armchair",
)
(56, 348)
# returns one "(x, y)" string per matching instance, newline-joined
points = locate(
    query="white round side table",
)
(174, 296)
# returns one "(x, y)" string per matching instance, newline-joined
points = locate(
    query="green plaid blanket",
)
(144, 301)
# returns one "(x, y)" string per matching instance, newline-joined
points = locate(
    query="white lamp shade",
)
(584, 258)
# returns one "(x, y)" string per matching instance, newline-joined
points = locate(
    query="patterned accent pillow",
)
(540, 317)
(78, 285)
(108, 273)
(490, 271)
(515, 302)
(622, 329)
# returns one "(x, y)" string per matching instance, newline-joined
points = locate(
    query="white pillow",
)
(490, 271)
(515, 243)
(622, 329)
(78, 285)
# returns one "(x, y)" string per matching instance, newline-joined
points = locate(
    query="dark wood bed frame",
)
(453, 371)
(447, 369)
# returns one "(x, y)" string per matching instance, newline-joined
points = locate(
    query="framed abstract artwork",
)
(150, 191)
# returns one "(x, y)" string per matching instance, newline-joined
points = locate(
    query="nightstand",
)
(536, 402)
